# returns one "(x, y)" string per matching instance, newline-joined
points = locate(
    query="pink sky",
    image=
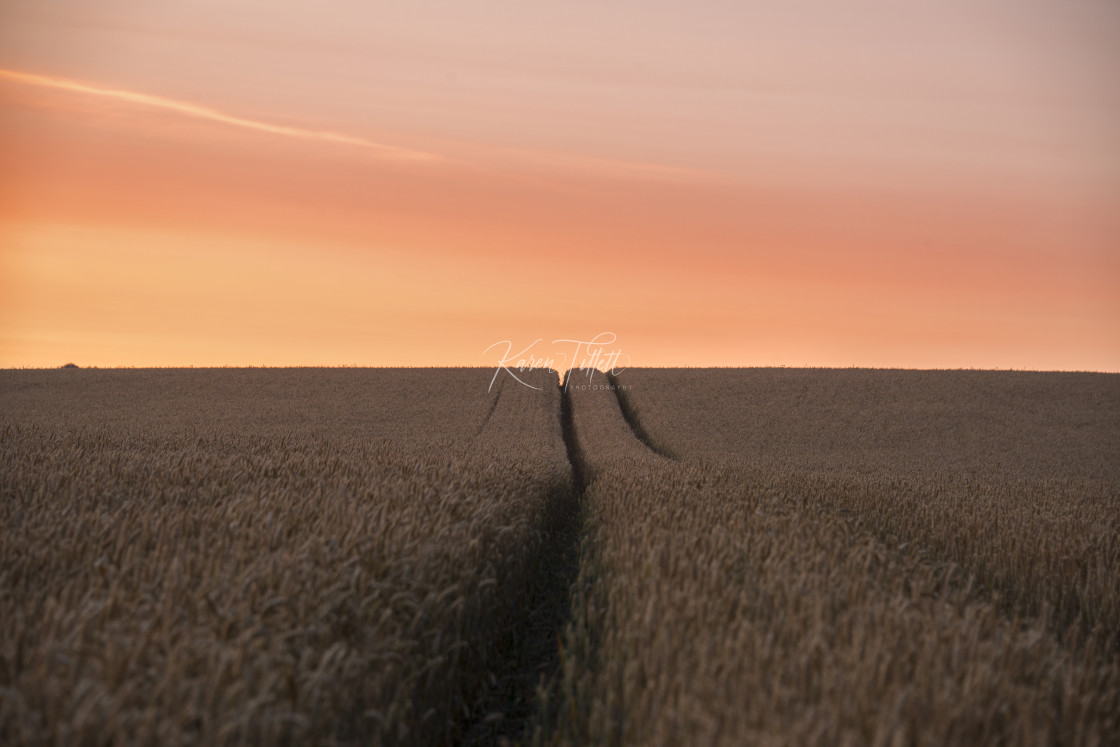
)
(248, 183)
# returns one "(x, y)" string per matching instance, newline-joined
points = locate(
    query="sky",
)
(883, 184)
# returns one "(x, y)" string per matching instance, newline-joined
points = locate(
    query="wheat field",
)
(281, 557)
(835, 557)
(667, 556)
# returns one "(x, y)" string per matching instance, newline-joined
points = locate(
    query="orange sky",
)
(263, 183)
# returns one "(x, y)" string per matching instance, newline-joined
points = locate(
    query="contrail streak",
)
(204, 112)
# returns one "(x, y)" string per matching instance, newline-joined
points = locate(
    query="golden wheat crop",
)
(752, 587)
(1013, 475)
(265, 557)
(786, 557)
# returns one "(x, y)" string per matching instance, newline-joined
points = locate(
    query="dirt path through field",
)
(594, 425)
(531, 657)
(601, 432)
(630, 415)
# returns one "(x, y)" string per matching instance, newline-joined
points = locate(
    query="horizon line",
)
(490, 367)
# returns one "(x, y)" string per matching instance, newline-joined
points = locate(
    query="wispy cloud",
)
(213, 115)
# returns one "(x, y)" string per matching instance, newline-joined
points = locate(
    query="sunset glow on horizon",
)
(879, 184)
